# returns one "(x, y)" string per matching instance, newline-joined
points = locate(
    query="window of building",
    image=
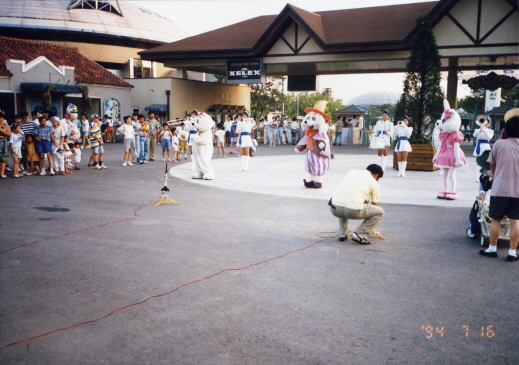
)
(142, 69)
(109, 6)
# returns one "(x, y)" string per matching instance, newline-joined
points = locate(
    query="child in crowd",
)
(182, 140)
(166, 137)
(68, 147)
(220, 140)
(77, 155)
(57, 137)
(176, 147)
(484, 170)
(44, 147)
(15, 144)
(32, 156)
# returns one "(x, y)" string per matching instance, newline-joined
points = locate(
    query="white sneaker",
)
(164, 160)
(82, 147)
(124, 164)
(169, 159)
(130, 163)
(145, 161)
(104, 166)
(98, 167)
(52, 172)
(8, 169)
(43, 173)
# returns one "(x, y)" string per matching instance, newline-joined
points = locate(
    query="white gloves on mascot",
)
(316, 143)
(450, 156)
(483, 135)
(203, 148)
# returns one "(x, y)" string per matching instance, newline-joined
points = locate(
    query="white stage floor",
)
(283, 175)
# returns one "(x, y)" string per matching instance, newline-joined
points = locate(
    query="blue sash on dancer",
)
(243, 134)
(189, 137)
(478, 146)
(400, 139)
(379, 133)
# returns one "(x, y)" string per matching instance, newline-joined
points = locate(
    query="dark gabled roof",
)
(332, 30)
(350, 109)
(241, 35)
(499, 110)
(86, 71)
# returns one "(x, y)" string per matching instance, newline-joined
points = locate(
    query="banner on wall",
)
(247, 71)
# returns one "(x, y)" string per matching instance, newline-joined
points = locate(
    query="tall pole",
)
(283, 93)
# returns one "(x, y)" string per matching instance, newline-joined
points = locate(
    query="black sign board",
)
(302, 83)
(249, 71)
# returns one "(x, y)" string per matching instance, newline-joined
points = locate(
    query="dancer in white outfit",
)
(483, 135)
(384, 128)
(191, 129)
(244, 131)
(403, 147)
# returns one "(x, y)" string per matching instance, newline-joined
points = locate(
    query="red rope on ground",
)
(177, 288)
(81, 230)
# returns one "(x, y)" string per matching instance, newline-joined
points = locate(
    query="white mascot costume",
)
(483, 135)
(73, 131)
(316, 143)
(450, 156)
(203, 148)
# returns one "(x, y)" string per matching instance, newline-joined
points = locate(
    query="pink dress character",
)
(450, 156)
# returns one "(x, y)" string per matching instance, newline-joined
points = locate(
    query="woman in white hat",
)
(403, 147)
(244, 131)
(384, 129)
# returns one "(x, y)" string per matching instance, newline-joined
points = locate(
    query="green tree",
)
(422, 96)
(220, 79)
(473, 104)
(265, 97)
(510, 97)
(309, 99)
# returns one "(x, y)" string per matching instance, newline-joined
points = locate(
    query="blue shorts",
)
(98, 149)
(84, 133)
(44, 147)
(166, 144)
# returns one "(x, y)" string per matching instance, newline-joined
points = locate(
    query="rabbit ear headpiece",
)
(447, 112)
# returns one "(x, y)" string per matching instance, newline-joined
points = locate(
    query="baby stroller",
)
(482, 227)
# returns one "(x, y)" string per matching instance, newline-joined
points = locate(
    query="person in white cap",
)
(403, 147)
(244, 130)
(384, 129)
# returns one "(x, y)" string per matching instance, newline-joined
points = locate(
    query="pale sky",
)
(199, 16)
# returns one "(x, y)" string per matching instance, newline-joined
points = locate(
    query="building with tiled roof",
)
(28, 67)
(110, 32)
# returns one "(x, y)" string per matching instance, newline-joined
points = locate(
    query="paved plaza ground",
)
(423, 296)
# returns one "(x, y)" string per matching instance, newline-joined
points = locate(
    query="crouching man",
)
(357, 198)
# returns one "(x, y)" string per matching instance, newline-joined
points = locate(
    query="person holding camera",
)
(403, 147)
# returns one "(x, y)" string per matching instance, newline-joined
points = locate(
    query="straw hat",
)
(319, 108)
(511, 113)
